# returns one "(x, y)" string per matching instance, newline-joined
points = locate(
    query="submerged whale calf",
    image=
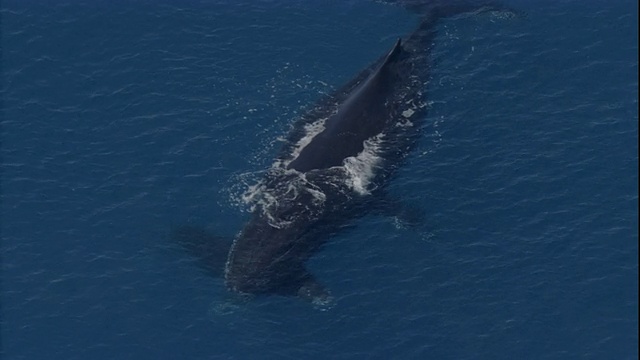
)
(336, 162)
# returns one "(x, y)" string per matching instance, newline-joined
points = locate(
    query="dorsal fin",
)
(393, 54)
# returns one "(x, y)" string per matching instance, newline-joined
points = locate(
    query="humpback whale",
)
(336, 162)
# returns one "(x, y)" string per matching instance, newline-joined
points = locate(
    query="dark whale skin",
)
(309, 193)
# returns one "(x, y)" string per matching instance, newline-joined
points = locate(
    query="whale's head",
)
(269, 258)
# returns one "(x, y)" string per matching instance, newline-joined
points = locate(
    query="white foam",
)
(311, 130)
(408, 113)
(268, 200)
(361, 168)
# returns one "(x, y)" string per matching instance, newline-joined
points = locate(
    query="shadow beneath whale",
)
(209, 250)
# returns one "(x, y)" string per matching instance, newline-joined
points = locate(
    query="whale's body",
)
(336, 161)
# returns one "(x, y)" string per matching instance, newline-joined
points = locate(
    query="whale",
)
(336, 163)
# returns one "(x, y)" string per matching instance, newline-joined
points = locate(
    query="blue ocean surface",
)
(122, 120)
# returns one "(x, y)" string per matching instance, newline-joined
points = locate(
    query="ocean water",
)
(124, 119)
